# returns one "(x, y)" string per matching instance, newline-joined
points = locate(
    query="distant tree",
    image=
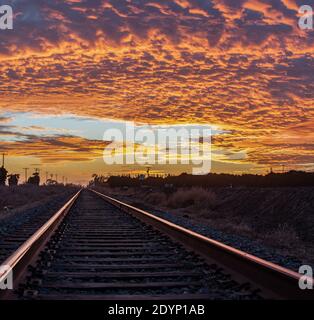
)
(98, 180)
(51, 182)
(287, 179)
(3, 176)
(13, 179)
(35, 179)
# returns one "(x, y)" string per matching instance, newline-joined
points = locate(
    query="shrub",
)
(156, 198)
(197, 197)
(283, 236)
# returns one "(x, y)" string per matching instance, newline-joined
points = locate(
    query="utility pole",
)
(37, 170)
(25, 169)
(3, 155)
(57, 177)
(47, 176)
(62, 179)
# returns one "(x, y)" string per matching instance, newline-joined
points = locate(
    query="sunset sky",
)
(70, 69)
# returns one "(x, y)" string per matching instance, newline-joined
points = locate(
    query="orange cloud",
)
(242, 65)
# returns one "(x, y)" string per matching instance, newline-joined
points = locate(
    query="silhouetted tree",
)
(50, 182)
(35, 179)
(287, 179)
(3, 175)
(97, 180)
(13, 179)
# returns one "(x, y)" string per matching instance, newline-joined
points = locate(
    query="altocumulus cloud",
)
(242, 65)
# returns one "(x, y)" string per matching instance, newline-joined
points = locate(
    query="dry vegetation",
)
(194, 198)
(278, 217)
(15, 197)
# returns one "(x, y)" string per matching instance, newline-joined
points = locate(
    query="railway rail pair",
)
(97, 247)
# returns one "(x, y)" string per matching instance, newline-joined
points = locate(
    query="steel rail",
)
(276, 281)
(21, 258)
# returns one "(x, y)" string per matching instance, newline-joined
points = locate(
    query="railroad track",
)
(13, 235)
(97, 247)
